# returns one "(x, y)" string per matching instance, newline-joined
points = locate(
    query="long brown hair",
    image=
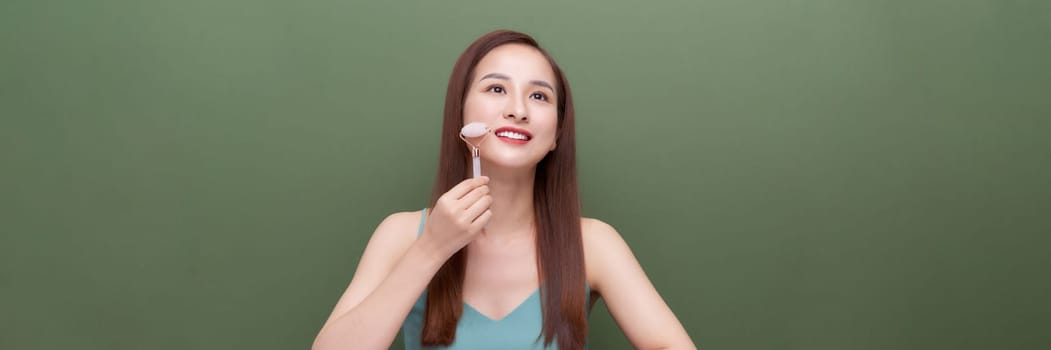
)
(556, 205)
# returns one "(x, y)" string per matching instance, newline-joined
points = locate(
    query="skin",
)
(491, 217)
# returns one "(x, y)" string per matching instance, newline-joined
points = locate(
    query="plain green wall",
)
(792, 174)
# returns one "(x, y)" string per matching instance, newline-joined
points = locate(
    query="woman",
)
(504, 261)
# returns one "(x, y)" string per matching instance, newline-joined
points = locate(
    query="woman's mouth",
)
(513, 135)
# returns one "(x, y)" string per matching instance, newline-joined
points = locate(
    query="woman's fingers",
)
(461, 212)
(473, 196)
(464, 187)
(478, 208)
(480, 222)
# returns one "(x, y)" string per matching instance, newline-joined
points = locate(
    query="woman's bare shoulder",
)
(403, 219)
(595, 231)
(603, 248)
(398, 229)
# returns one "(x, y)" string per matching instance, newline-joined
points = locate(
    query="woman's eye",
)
(539, 96)
(496, 89)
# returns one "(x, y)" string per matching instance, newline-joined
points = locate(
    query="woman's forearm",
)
(376, 320)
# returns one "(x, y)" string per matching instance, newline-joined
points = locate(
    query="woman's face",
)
(513, 92)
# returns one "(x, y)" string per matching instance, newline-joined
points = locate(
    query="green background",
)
(820, 174)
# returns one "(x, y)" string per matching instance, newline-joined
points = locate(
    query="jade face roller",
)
(475, 130)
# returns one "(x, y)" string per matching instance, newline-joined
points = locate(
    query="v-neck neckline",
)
(509, 314)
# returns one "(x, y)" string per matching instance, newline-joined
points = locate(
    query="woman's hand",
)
(458, 216)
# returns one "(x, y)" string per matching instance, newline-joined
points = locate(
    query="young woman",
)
(504, 261)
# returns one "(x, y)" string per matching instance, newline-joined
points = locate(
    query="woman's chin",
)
(504, 166)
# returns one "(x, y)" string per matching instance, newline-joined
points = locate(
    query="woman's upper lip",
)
(513, 129)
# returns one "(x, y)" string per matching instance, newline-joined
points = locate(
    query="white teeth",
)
(512, 135)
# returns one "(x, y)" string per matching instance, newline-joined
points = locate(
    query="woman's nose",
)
(517, 116)
(517, 111)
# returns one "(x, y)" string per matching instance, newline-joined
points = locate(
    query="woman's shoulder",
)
(403, 219)
(597, 231)
(600, 241)
(605, 251)
(398, 228)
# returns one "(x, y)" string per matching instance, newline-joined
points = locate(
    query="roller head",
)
(474, 130)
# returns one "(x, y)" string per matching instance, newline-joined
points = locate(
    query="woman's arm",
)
(393, 272)
(397, 266)
(629, 295)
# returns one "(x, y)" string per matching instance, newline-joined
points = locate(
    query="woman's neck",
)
(512, 192)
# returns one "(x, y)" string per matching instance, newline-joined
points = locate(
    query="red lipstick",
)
(513, 135)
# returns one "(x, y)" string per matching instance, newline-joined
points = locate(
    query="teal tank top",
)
(518, 330)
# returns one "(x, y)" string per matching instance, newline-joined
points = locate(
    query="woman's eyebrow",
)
(542, 83)
(495, 76)
(505, 77)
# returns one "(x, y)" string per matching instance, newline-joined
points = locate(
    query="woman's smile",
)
(513, 135)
